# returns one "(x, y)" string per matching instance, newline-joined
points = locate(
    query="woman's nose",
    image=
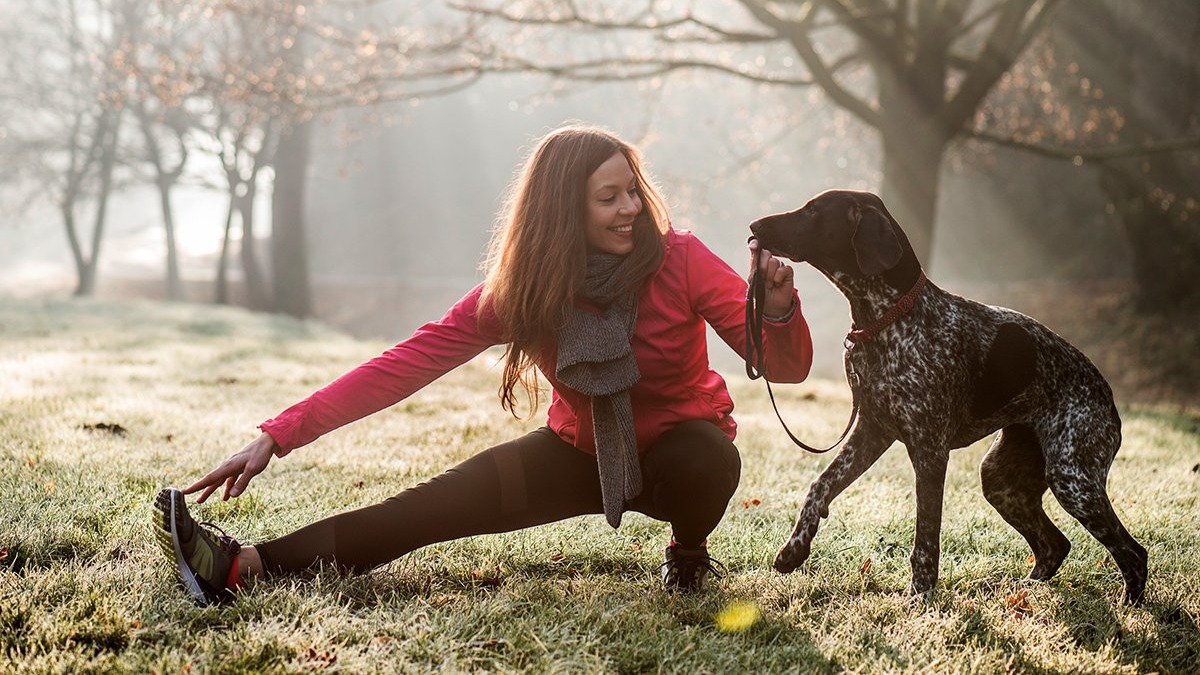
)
(630, 204)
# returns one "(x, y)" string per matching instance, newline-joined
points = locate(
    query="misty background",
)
(399, 166)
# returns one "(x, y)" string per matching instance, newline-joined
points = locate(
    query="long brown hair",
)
(538, 254)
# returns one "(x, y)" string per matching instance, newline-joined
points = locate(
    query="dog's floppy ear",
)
(876, 246)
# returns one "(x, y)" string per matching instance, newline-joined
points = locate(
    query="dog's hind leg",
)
(1077, 477)
(864, 446)
(1013, 474)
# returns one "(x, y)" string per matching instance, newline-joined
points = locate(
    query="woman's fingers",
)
(237, 487)
(235, 473)
(226, 472)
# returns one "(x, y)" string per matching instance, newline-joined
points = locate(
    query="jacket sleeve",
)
(718, 294)
(433, 350)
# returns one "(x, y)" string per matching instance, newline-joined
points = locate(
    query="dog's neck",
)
(871, 297)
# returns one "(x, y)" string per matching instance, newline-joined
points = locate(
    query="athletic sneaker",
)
(686, 569)
(203, 558)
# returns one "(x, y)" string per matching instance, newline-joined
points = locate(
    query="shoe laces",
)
(227, 543)
(693, 563)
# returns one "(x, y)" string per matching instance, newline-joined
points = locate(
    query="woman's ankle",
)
(249, 564)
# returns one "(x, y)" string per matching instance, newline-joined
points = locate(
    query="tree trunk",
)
(1165, 239)
(1156, 91)
(289, 246)
(256, 291)
(108, 161)
(174, 280)
(221, 295)
(913, 147)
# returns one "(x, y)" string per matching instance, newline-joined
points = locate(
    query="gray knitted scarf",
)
(595, 357)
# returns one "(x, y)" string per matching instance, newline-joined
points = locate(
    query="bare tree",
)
(68, 124)
(161, 70)
(1133, 116)
(914, 70)
(278, 64)
(240, 79)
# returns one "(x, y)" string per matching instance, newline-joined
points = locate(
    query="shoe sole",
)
(168, 504)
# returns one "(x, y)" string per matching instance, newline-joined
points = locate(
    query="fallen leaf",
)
(3, 553)
(1032, 559)
(489, 578)
(326, 657)
(866, 566)
(111, 427)
(751, 502)
(1018, 604)
(557, 556)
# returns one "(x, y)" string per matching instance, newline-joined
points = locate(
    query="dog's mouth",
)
(763, 233)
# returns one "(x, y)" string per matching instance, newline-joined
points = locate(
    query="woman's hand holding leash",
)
(235, 473)
(778, 277)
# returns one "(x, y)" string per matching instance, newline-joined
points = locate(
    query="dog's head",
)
(839, 232)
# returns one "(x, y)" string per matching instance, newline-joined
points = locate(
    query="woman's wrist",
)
(783, 318)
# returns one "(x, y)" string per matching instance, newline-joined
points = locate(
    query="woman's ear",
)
(876, 246)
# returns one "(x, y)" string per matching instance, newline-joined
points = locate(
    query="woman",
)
(587, 282)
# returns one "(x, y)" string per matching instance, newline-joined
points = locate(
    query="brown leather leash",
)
(756, 363)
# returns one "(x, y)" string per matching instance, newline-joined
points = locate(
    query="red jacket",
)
(691, 287)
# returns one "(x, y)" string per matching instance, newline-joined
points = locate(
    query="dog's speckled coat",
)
(944, 376)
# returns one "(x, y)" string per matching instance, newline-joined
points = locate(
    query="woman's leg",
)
(688, 478)
(689, 475)
(532, 480)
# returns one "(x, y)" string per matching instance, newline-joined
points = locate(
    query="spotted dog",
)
(936, 371)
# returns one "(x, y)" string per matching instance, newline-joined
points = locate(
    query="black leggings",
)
(688, 477)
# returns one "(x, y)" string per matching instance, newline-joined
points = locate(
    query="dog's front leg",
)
(865, 445)
(930, 469)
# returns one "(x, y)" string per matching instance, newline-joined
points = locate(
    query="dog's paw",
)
(791, 556)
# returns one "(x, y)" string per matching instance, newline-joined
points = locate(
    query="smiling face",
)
(613, 204)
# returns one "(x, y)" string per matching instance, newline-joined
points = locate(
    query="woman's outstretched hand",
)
(778, 277)
(235, 473)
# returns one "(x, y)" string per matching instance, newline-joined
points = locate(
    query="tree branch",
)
(1084, 154)
(796, 33)
(651, 24)
(888, 48)
(1018, 22)
(608, 70)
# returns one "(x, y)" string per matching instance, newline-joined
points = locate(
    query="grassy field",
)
(103, 404)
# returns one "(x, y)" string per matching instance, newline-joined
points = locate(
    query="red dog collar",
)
(903, 306)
